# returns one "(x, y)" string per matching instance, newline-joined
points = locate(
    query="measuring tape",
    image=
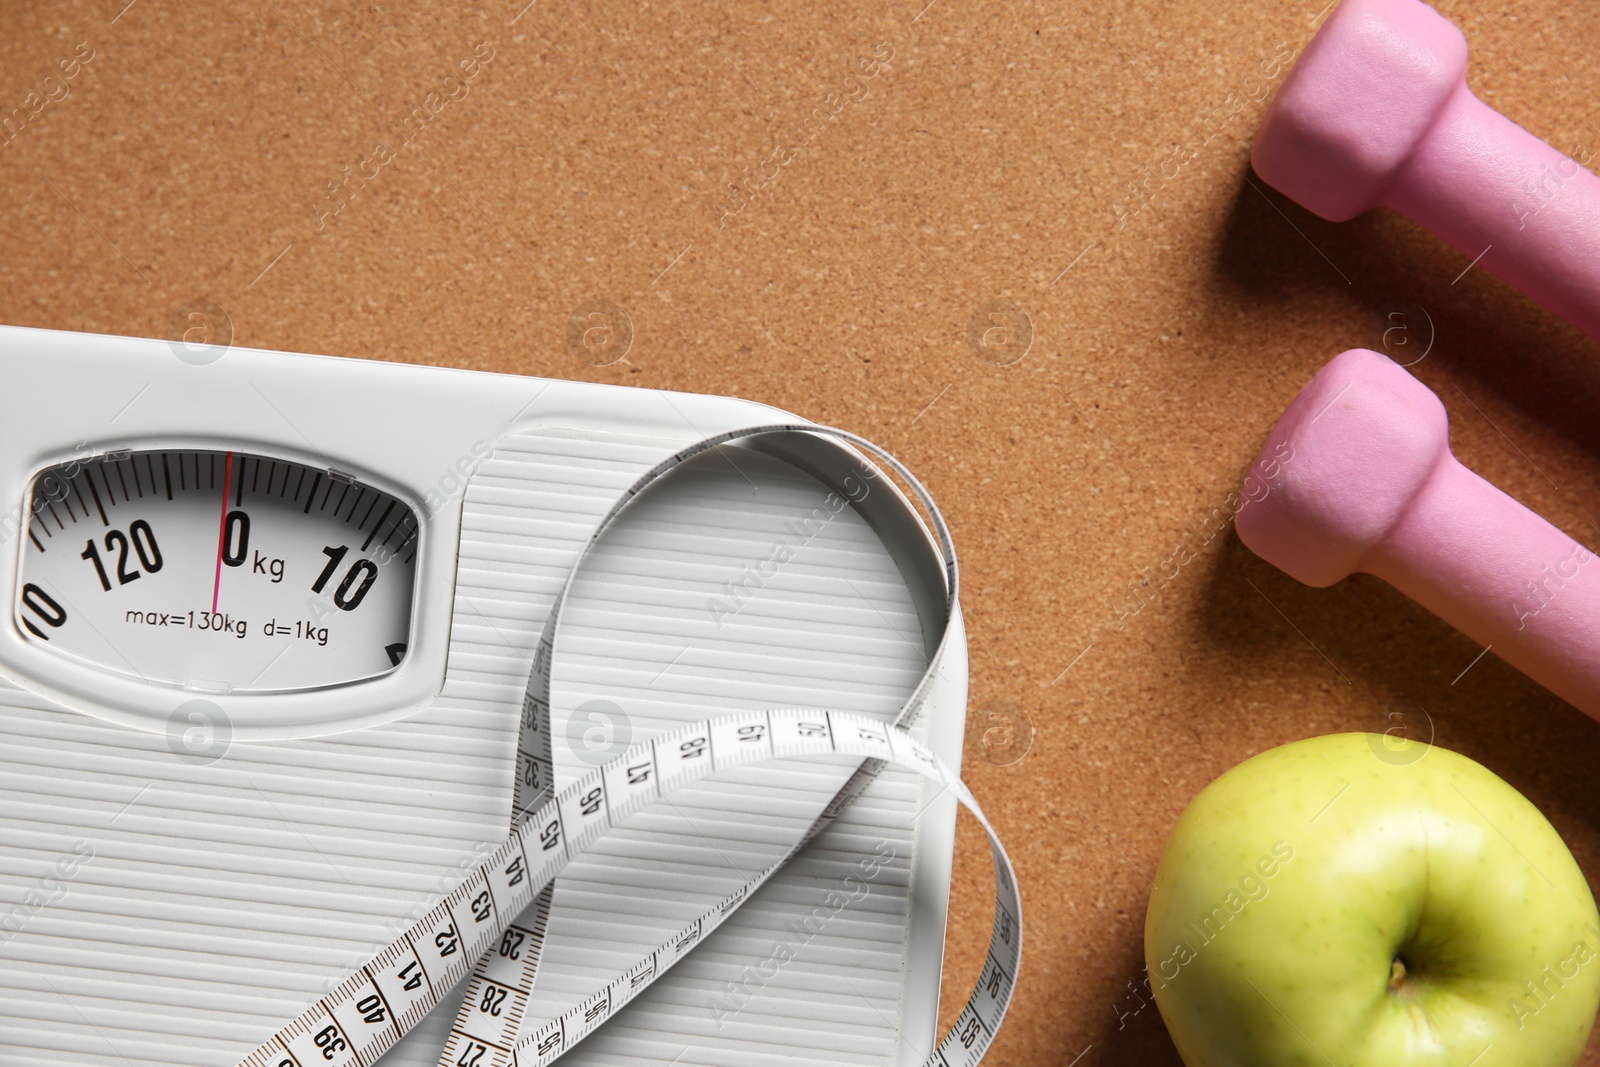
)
(499, 914)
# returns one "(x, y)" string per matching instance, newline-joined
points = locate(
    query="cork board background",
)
(959, 229)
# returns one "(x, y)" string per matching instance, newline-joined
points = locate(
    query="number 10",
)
(359, 579)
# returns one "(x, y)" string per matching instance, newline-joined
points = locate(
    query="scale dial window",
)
(218, 571)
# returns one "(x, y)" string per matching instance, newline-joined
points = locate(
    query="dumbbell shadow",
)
(1382, 282)
(1359, 649)
(1398, 658)
(1359, 644)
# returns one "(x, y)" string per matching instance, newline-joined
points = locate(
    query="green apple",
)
(1362, 901)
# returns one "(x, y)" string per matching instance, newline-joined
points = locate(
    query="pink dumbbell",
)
(1365, 482)
(1377, 113)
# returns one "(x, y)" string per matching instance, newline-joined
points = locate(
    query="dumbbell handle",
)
(1503, 576)
(1489, 188)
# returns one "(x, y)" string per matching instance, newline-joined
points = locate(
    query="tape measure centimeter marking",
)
(376, 1005)
(495, 1006)
(489, 1027)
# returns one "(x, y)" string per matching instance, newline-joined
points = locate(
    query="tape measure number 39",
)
(511, 890)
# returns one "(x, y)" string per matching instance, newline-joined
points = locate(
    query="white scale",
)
(273, 618)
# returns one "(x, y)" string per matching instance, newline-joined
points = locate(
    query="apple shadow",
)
(1132, 1030)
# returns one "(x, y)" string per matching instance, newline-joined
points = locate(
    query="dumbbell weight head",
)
(1362, 438)
(1355, 106)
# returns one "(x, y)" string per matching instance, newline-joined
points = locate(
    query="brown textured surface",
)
(589, 161)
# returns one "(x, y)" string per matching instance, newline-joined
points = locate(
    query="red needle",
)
(222, 533)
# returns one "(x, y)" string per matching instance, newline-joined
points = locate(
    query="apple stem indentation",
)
(1397, 975)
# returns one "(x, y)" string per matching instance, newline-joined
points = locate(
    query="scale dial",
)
(218, 571)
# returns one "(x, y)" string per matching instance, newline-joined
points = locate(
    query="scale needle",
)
(222, 533)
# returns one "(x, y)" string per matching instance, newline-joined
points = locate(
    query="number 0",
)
(235, 538)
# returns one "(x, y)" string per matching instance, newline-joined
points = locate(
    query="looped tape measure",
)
(498, 915)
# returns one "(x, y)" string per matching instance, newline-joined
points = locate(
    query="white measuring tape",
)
(498, 915)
